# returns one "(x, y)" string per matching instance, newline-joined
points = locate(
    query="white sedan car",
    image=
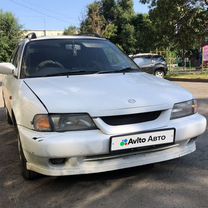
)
(82, 106)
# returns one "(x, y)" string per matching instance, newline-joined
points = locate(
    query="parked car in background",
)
(151, 63)
(80, 105)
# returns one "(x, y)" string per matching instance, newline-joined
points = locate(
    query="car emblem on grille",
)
(132, 101)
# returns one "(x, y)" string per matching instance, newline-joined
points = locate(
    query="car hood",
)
(106, 94)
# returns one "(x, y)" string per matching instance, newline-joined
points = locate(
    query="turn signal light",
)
(42, 123)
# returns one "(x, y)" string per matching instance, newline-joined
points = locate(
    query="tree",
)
(96, 23)
(10, 34)
(112, 19)
(145, 33)
(124, 23)
(180, 24)
(109, 10)
(71, 30)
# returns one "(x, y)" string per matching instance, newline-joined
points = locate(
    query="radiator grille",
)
(131, 118)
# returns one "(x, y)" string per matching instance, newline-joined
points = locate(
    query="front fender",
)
(25, 105)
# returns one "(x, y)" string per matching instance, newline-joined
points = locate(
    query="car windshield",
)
(57, 57)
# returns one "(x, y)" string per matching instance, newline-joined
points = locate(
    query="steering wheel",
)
(49, 63)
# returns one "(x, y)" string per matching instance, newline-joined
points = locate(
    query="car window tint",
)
(158, 58)
(113, 58)
(17, 54)
(142, 61)
(139, 61)
(14, 55)
(45, 57)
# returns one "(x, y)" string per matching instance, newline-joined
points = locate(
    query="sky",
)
(52, 14)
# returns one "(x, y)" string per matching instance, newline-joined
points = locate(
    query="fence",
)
(177, 65)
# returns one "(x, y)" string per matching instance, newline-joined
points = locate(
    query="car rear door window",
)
(143, 61)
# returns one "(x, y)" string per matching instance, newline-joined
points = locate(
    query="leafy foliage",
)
(71, 30)
(112, 19)
(96, 22)
(125, 28)
(10, 34)
(145, 33)
(180, 24)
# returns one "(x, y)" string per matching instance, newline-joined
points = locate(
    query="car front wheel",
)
(159, 73)
(9, 120)
(27, 174)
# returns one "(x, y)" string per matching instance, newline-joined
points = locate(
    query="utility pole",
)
(44, 31)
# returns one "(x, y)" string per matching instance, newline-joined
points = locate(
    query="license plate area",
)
(142, 140)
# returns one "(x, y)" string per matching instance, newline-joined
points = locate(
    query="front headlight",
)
(64, 122)
(183, 109)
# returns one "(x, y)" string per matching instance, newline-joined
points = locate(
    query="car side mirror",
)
(7, 68)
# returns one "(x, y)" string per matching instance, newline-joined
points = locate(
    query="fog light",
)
(57, 161)
(74, 161)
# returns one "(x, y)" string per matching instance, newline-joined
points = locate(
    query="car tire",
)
(159, 73)
(27, 174)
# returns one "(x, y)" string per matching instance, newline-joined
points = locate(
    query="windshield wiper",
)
(68, 73)
(79, 72)
(126, 69)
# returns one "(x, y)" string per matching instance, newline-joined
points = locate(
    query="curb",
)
(187, 80)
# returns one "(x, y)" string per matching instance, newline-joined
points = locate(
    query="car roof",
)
(145, 55)
(64, 37)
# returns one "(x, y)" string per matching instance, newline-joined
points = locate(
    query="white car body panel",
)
(94, 142)
(93, 90)
(74, 166)
(25, 108)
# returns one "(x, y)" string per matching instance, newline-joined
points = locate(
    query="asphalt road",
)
(180, 183)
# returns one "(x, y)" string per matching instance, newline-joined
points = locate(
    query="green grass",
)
(181, 69)
(202, 76)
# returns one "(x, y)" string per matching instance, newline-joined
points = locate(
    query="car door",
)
(11, 82)
(145, 63)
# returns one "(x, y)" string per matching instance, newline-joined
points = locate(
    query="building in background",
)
(40, 33)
